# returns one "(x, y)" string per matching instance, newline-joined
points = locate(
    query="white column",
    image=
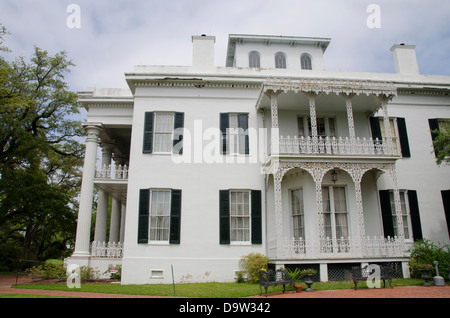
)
(114, 227)
(313, 116)
(87, 191)
(122, 222)
(103, 197)
(277, 178)
(351, 124)
(387, 124)
(275, 131)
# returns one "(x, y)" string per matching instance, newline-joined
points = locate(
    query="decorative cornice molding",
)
(423, 91)
(197, 84)
(331, 86)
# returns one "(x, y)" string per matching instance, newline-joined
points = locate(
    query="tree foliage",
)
(442, 143)
(40, 153)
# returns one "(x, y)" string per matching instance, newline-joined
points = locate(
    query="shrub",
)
(427, 252)
(252, 263)
(47, 271)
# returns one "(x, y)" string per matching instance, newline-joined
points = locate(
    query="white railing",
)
(296, 145)
(344, 247)
(116, 172)
(107, 250)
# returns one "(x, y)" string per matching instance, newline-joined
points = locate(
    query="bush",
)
(427, 252)
(47, 271)
(252, 263)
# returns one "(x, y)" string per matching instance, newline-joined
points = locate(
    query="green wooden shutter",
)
(386, 213)
(175, 217)
(224, 208)
(243, 137)
(446, 202)
(434, 129)
(403, 136)
(148, 132)
(224, 125)
(144, 201)
(415, 215)
(256, 217)
(375, 128)
(178, 133)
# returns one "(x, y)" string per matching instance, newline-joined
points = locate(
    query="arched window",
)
(253, 59)
(305, 61)
(280, 60)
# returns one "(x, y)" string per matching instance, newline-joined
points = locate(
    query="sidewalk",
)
(396, 292)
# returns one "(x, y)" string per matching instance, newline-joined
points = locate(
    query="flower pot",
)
(425, 274)
(298, 288)
(308, 279)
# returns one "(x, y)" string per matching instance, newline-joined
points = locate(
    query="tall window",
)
(280, 60)
(405, 214)
(254, 59)
(298, 221)
(240, 216)
(335, 212)
(305, 61)
(160, 215)
(326, 126)
(234, 128)
(163, 132)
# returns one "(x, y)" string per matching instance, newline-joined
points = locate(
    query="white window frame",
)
(305, 130)
(404, 203)
(234, 240)
(280, 60)
(394, 134)
(333, 211)
(254, 59)
(298, 231)
(307, 64)
(165, 214)
(236, 145)
(157, 144)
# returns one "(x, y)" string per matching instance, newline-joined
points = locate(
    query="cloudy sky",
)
(115, 35)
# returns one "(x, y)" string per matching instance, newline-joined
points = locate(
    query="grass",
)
(204, 290)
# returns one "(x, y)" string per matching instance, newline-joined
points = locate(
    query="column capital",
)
(93, 131)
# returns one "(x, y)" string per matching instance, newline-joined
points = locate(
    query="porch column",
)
(387, 125)
(82, 241)
(114, 228)
(277, 178)
(122, 221)
(275, 131)
(398, 205)
(103, 198)
(312, 113)
(351, 125)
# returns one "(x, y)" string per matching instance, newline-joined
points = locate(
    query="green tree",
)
(442, 142)
(40, 154)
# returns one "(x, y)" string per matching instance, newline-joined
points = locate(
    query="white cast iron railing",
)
(333, 146)
(344, 247)
(115, 172)
(107, 250)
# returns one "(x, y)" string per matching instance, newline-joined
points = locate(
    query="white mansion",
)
(271, 154)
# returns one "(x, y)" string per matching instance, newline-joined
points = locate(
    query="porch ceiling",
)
(115, 188)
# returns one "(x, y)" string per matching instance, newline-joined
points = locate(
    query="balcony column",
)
(122, 222)
(82, 241)
(387, 124)
(351, 124)
(277, 178)
(114, 228)
(103, 198)
(275, 131)
(398, 206)
(312, 113)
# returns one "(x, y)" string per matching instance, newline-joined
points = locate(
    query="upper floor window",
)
(305, 61)
(280, 60)
(254, 59)
(163, 132)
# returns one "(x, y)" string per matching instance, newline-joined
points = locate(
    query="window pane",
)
(280, 60)
(305, 62)
(254, 59)
(160, 215)
(297, 213)
(240, 216)
(163, 132)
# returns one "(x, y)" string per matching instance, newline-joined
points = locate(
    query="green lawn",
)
(203, 290)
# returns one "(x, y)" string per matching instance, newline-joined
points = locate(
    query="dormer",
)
(281, 52)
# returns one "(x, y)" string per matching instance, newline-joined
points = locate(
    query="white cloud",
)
(115, 35)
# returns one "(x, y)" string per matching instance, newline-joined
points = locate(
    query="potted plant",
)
(296, 277)
(425, 271)
(308, 275)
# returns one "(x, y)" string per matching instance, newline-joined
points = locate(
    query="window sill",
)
(240, 244)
